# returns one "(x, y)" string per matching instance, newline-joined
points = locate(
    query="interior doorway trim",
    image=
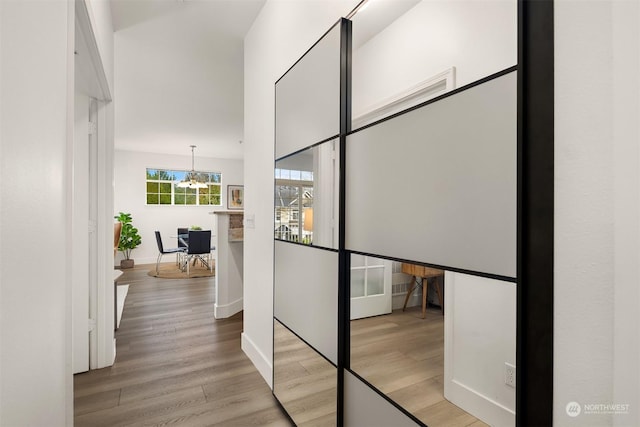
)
(83, 24)
(102, 300)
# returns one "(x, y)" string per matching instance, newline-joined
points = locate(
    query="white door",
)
(370, 286)
(80, 236)
(92, 248)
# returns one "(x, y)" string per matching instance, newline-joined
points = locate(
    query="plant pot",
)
(126, 263)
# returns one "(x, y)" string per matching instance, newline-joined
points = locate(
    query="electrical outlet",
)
(509, 374)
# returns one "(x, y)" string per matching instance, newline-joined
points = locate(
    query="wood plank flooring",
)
(402, 355)
(305, 382)
(175, 364)
(178, 365)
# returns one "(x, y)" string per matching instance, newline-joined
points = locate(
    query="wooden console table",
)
(425, 273)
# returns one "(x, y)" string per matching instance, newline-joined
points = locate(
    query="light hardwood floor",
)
(175, 364)
(402, 355)
(305, 382)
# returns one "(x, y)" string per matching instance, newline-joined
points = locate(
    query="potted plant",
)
(129, 239)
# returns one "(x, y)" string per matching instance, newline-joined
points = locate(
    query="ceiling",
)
(376, 16)
(179, 65)
(178, 77)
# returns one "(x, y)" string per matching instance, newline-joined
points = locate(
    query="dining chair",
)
(183, 237)
(183, 242)
(163, 251)
(199, 247)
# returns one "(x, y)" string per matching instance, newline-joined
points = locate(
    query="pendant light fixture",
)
(191, 179)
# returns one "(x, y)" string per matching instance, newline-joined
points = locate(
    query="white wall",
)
(282, 32)
(596, 334)
(36, 109)
(228, 281)
(101, 21)
(626, 182)
(130, 196)
(179, 78)
(477, 37)
(480, 331)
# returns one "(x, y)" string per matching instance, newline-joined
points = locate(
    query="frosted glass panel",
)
(306, 294)
(357, 283)
(308, 98)
(375, 281)
(303, 381)
(445, 176)
(364, 407)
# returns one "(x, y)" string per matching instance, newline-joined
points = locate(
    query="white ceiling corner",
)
(179, 75)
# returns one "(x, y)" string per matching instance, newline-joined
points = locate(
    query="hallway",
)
(175, 364)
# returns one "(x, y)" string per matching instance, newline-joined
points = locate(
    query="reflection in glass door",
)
(294, 206)
(370, 286)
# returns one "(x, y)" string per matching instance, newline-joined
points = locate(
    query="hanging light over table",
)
(191, 179)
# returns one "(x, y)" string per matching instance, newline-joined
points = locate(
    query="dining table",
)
(183, 239)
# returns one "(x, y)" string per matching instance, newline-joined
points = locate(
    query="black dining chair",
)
(163, 251)
(183, 242)
(183, 237)
(199, 247)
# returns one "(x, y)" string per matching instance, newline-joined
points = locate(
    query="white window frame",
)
(173, 184)
(300, 185)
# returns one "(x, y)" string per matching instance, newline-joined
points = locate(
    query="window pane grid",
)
(162, 188)
(294, 193)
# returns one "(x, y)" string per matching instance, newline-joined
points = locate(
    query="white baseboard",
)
(260, 361)
(485, 395)
(114, 354)
(121, 293)
(480, 406)
(227, 310)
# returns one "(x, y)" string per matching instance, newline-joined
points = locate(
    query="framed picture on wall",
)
(235, 196)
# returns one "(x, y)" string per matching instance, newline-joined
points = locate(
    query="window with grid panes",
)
(293, 193)
(162, 188)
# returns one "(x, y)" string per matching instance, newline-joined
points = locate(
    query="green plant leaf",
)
(129, 237)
